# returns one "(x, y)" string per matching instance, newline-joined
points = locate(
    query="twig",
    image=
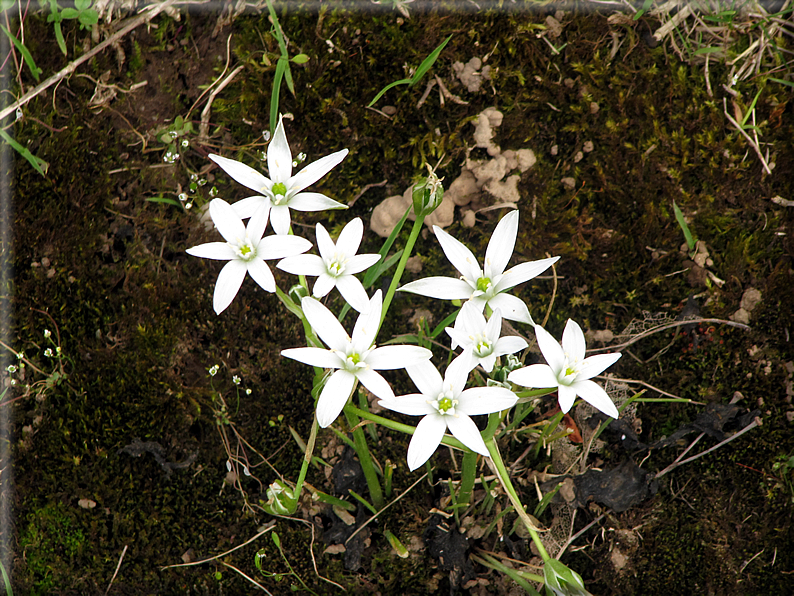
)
(753, 144)
(115, 573)
(649, 386)
(579, 533)
(365, 189)
(250, 579)
(362, 526)
(553, 294)
(675, 464)
(666, 326)
(239, 546)
(205, 113)
(153, 11)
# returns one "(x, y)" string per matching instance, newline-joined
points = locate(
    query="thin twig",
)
(153, 11)
(362, 526)
(666, 326)
(749, 427)
(205, 113)
(579, 533)
(553, 294)
(115, 573)
(239, 546)
(649, 386)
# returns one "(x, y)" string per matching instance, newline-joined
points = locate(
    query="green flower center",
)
(279, 191)
(483, 347)
(245, 250)
(336, 265)
(483, 284)
(445, 404)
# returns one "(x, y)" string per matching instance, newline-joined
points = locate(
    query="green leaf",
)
(274, 96)
(782, 82)
(679, 217)
(300, 59)
(38, 164)
(386, 88)
(165, 200)
(69, 13)
(398, 546)
(88, 18)
(82, 5)
(35, 70)
(428, 62)
(645, 6)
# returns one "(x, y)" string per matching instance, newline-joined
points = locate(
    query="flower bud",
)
(280, 499)
(427, 194)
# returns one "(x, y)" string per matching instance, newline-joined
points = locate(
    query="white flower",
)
(282, 191)
(568, 370)
(481, 339)
(355, 358)
(336, 264)
(445, 404)
(246, 250)
(487, 285)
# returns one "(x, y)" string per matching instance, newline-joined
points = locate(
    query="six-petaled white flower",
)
(568, 370)
(246, 251)
(354, 358)
(281, 191)
(484, 285)
(445, 404)
(336, 264)
(480, 338)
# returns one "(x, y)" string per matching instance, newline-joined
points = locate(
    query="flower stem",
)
(364, 457)
(307, 458)
(504, 478)
(409, 246)
(400, 427)
(468, 474)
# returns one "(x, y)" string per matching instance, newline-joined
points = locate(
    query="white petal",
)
(500, 247)
(229, 281)
(566, 395)
(279, 156)
(573, 342)
(316, 170)
(487, 362)
(595, 365)
(415, 404)
(367, 324)
(470, 319)
(509, 344)
(302, 265)
(485, 400)
(257, 224)
(459, 337)
(445, 288)
(313, 201)
(535, 376)
(280, 219)
(279, 247)
(464, 429)
(394, 357)
(523, 272)
(352, 291)
(552, 351)
(325, 325)
(493, 328)
(359, 263)
(427, 437)
(512, 307)
(245, 175)
(459, 255)
(227, 221)
(314, 357)
(426, 378)
(457, 373)
(593, 394)
(262, 275)
(324, 284)
(350, 237)
(375, 383)
(334, 396)
(220, 251)
(245, 208)
(325, 245)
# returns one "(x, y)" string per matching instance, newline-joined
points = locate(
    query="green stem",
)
(400, 427)
(307, 458)
(504, 478)
(409, 245)
(364, 458)
(468, 475)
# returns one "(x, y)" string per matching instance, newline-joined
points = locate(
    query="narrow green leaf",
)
(274, 96)
(782, 82)
(679, 216)
(165, 200)
(35, 70)
(386, 88)
(428, 62)
(38, 164)
(444, 324)
(645, 6)
(398, 546)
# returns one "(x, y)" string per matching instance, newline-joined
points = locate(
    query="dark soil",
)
(105, 270)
